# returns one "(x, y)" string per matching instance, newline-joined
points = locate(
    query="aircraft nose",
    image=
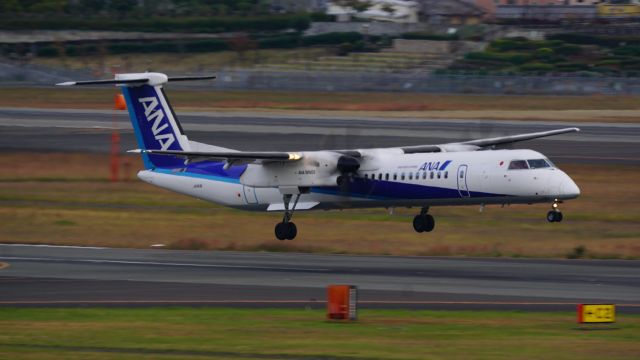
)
(569, 189)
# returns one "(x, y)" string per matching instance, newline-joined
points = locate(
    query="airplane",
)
(459, 173)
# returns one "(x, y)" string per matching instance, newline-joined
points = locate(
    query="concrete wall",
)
(436, 47)
(371, 28)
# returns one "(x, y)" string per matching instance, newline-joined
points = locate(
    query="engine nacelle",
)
(316, 168)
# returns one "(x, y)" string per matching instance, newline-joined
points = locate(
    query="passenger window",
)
(410, 176)
(518, 165)
(446, 174)
(395, 176)
(461, 174)
(537, 164)
(438, 174)
(431, 175)
(417, 176)
(402, 176)
(386, 176)
(380, 176)
(424, 175)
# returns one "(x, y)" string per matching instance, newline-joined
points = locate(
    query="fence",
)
(424, 82)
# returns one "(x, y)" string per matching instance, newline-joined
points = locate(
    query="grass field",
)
(44, 202)
(578, 109)
(187, 63)
(184, 333)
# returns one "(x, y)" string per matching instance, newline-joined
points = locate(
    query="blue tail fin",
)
(155, 124)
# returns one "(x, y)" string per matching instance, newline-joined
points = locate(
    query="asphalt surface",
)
(68, 276)
(87, 130)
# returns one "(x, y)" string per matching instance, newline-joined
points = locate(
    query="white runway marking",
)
(126, 262)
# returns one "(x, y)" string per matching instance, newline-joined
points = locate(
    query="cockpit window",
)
(538, 164)
(518, 165)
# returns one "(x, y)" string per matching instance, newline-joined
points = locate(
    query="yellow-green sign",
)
(596, 313)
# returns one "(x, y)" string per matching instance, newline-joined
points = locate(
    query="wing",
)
(237, 157)
(229, 156)
(484, 143)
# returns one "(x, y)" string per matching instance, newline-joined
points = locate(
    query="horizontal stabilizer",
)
(137, 79)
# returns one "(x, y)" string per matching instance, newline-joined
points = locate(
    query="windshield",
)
(530, 164)
(538, 164)
(518, 165)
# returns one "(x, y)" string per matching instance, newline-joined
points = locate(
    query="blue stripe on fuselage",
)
(208, 170)
(391, 190)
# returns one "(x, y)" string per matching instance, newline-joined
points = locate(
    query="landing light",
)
(294, 157)
(555, 205)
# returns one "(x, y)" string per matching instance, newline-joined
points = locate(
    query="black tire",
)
(292, 231)
(559, 216)
(551, 216)
(281, 231)
(429, 224)
(419, 223)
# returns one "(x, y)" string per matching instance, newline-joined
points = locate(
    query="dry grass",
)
(66, 208)
(551, 108)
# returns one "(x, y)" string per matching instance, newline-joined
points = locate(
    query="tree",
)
(9, 6)
(122, 7)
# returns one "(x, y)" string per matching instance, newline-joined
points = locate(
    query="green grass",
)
(99, 333)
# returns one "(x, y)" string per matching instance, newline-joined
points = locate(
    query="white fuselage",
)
(385, 179)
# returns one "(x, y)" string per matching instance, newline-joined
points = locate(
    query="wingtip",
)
(135, 151)
(66, 83)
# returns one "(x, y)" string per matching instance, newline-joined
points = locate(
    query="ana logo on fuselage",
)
(156, 117)
(434, 165)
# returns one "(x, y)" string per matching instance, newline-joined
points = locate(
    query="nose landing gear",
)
(555, 215)
(424, 222)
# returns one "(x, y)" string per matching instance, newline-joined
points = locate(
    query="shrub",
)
(212, 25)
(605, 41)
(539, 67)
(332, 38)
(544, 53)
(568, 49)
(47, 51)
(571, 66)
(578, 252)
(281, 42)
(516, 59)
(628, 50)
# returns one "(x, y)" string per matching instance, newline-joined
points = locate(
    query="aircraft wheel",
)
(419, 223)
(554, 216)
(292, 231)
(429, 224)
(281, 231)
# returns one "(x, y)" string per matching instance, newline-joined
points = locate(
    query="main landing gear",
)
(287, 230)
(555, 215)
(423, 222)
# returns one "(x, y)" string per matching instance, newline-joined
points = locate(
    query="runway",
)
(89, 130)
(75, 276)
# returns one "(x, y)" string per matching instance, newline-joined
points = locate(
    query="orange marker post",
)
(118, 104)
(342, 302)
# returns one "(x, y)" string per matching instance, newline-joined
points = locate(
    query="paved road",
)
(87, 130)
(44, 275)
